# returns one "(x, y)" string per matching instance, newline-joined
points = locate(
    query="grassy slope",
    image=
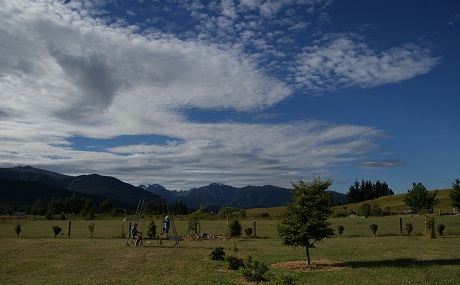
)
(393, 204)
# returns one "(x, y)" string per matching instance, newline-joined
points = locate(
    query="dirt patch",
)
(317, 265)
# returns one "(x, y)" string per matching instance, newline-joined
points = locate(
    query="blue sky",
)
(250, 92)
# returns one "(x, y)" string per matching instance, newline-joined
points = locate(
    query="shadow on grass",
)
(402, 262)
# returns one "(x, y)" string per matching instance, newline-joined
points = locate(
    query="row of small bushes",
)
(56, 230)
(409, 228)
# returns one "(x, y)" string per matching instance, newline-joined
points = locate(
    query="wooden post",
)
(68, 229)
(400, 226)
(129, 229)
(254, 230)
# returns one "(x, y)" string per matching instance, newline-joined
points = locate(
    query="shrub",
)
(234, 262)
(253, 270)
(152, 229)
(340, 229)
(441, 228)
(429, 227)
(282, 279)
(217, 253)
(56, 230)
(366, 209)
(91, 215)
(374, 228)
(48, 215)
(248, 231)
(17, 229)
(409, 228)
(265, 215)
(91, 229)
(62, 217)
(235, 228)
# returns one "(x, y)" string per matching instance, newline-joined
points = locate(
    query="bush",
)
(17, 229)
(282, 279)
(62, 217)
(441, 228)
(253, 270)
(56, 230)
(48, 215)
(265, 215)
(217, 253)
(248, 231)
(340, 229)
(91, 229)
(91, 215)
(152, 229)
(374, 228)
(235, 228)
(234, 262)
(409, 228)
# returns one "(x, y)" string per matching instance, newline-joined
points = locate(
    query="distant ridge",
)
(212, 196)
(216, 195)
(93, 185)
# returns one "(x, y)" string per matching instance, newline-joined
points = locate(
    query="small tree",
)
(91, 215)
(229, 213)
(235, 228)
(217, 253)
(376, 211)
(56, 230)
(48, 215)
(366, 209)
(91, 229)
(17, 229)
(429, 227)
(253, 270)
(455, 194)
(305, 220)
(193, 220)
(340, 229)
(409, 228)
(420, 199)
(248, 232)
(374, 228)
(441, 228)
(152, 229)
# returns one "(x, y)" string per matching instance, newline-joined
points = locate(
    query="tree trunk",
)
(307, 253)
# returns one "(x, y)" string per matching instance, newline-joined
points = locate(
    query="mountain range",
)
(23, 185)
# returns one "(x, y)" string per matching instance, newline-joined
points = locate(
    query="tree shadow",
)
(402, 262)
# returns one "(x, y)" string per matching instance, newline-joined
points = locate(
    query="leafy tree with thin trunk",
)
(305, 220)
(420, 199)
(455, 194)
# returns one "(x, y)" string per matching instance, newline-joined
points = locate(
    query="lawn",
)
(356, 257)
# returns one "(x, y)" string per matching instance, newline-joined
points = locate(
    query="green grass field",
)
(39, 258)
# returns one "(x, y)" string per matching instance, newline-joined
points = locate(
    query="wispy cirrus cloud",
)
(380, 164)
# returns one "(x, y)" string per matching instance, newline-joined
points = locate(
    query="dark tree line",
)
(83, 206)
(366, 190)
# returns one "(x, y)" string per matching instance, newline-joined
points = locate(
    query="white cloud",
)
(344, 62)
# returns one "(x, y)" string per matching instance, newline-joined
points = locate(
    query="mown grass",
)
(39, 258)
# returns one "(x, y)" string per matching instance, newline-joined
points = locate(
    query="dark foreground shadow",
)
(402, 262)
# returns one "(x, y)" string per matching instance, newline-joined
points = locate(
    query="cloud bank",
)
(66, 73)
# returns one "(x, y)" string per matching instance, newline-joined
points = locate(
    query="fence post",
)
(68, 229)
(254, 230)
(400, 226)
